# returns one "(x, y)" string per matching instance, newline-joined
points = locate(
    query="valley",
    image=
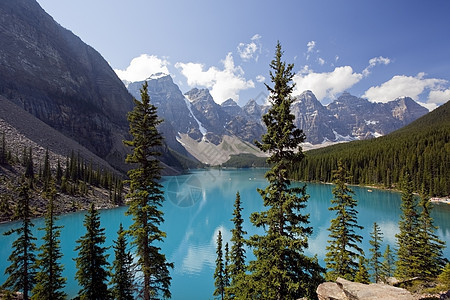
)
(217, 193)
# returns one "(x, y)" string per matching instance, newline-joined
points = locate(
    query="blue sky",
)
(379, 50)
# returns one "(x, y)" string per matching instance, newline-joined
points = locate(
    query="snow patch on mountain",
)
(200, 125)
(157, 76)
(371, 122)
(342, 138)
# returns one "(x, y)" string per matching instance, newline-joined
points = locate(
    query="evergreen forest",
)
(421, 149)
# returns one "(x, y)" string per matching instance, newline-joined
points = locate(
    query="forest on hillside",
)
(421, 149)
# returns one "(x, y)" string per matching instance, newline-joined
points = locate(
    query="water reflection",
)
(201, 203)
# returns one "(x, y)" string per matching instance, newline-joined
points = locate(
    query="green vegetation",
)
(444, 277)
(22, 271)
(280, 269)
(219, 275)
(92, 273)
(74, 178)
(146, 197)
(419, 251)
(375, 260)
(388, 264)
(121, 270)
(407, 263)
(430, 254)
(237, 257)
(246, 160)
(362, 275)
(49, 280)
(421, 149)
(343, 250)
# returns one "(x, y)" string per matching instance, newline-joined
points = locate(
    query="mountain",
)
(347, 118)
(194, 122)
(360, 119)
(421, 149)
(52, 74)
(315, 120)
(196, 126)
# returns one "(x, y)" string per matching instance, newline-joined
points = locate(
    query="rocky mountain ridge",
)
(197, 116)
(52, 74)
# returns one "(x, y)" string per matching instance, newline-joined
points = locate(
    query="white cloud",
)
(439, 96)
(311, 46)
(321, 61)
(325, 85)
(401, 85)
(223, 84)
(380, 60)
(251, 50)
(260, 78)
(142, 67)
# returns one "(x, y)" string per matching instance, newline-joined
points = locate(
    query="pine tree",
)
(375, 259)
(226, 270)
(46, 173)
(237, 255)
(49, 280)
(91, 262)
(343, 249)
(122, 276)
(146, 197)
(444, 277)
(29, 168)
(59, 173)
(3, 153)
(387, 267)
(407, 264)
(429, 245)
(281, 269)
(22, 270)
(362, 275)
(219, 272)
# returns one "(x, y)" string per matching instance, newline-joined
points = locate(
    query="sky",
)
(379, 50)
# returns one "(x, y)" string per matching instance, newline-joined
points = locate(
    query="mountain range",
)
(196, 119)
(53, 77)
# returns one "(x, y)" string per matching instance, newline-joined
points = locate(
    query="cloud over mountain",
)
(411, 86)
(142, 67)
(223, 83)
(326, 84)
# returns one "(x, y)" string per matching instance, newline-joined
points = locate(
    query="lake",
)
(200, 203)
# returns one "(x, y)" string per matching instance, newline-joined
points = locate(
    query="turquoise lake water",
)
(200, 204)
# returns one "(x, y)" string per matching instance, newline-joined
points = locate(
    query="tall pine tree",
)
(343, 250)
(407, 264)
(430, 246)
(3, 149)
(237, 254)
(362, 275)
(122, 274)
(146, 197)
(49, 280)
(219, 281)
(22, 270)
(388, 264)
(376, 238)
(91, 261)
(281, 269)
(226, 269)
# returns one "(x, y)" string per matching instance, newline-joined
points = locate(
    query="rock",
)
(346, 290)
(330, 291)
